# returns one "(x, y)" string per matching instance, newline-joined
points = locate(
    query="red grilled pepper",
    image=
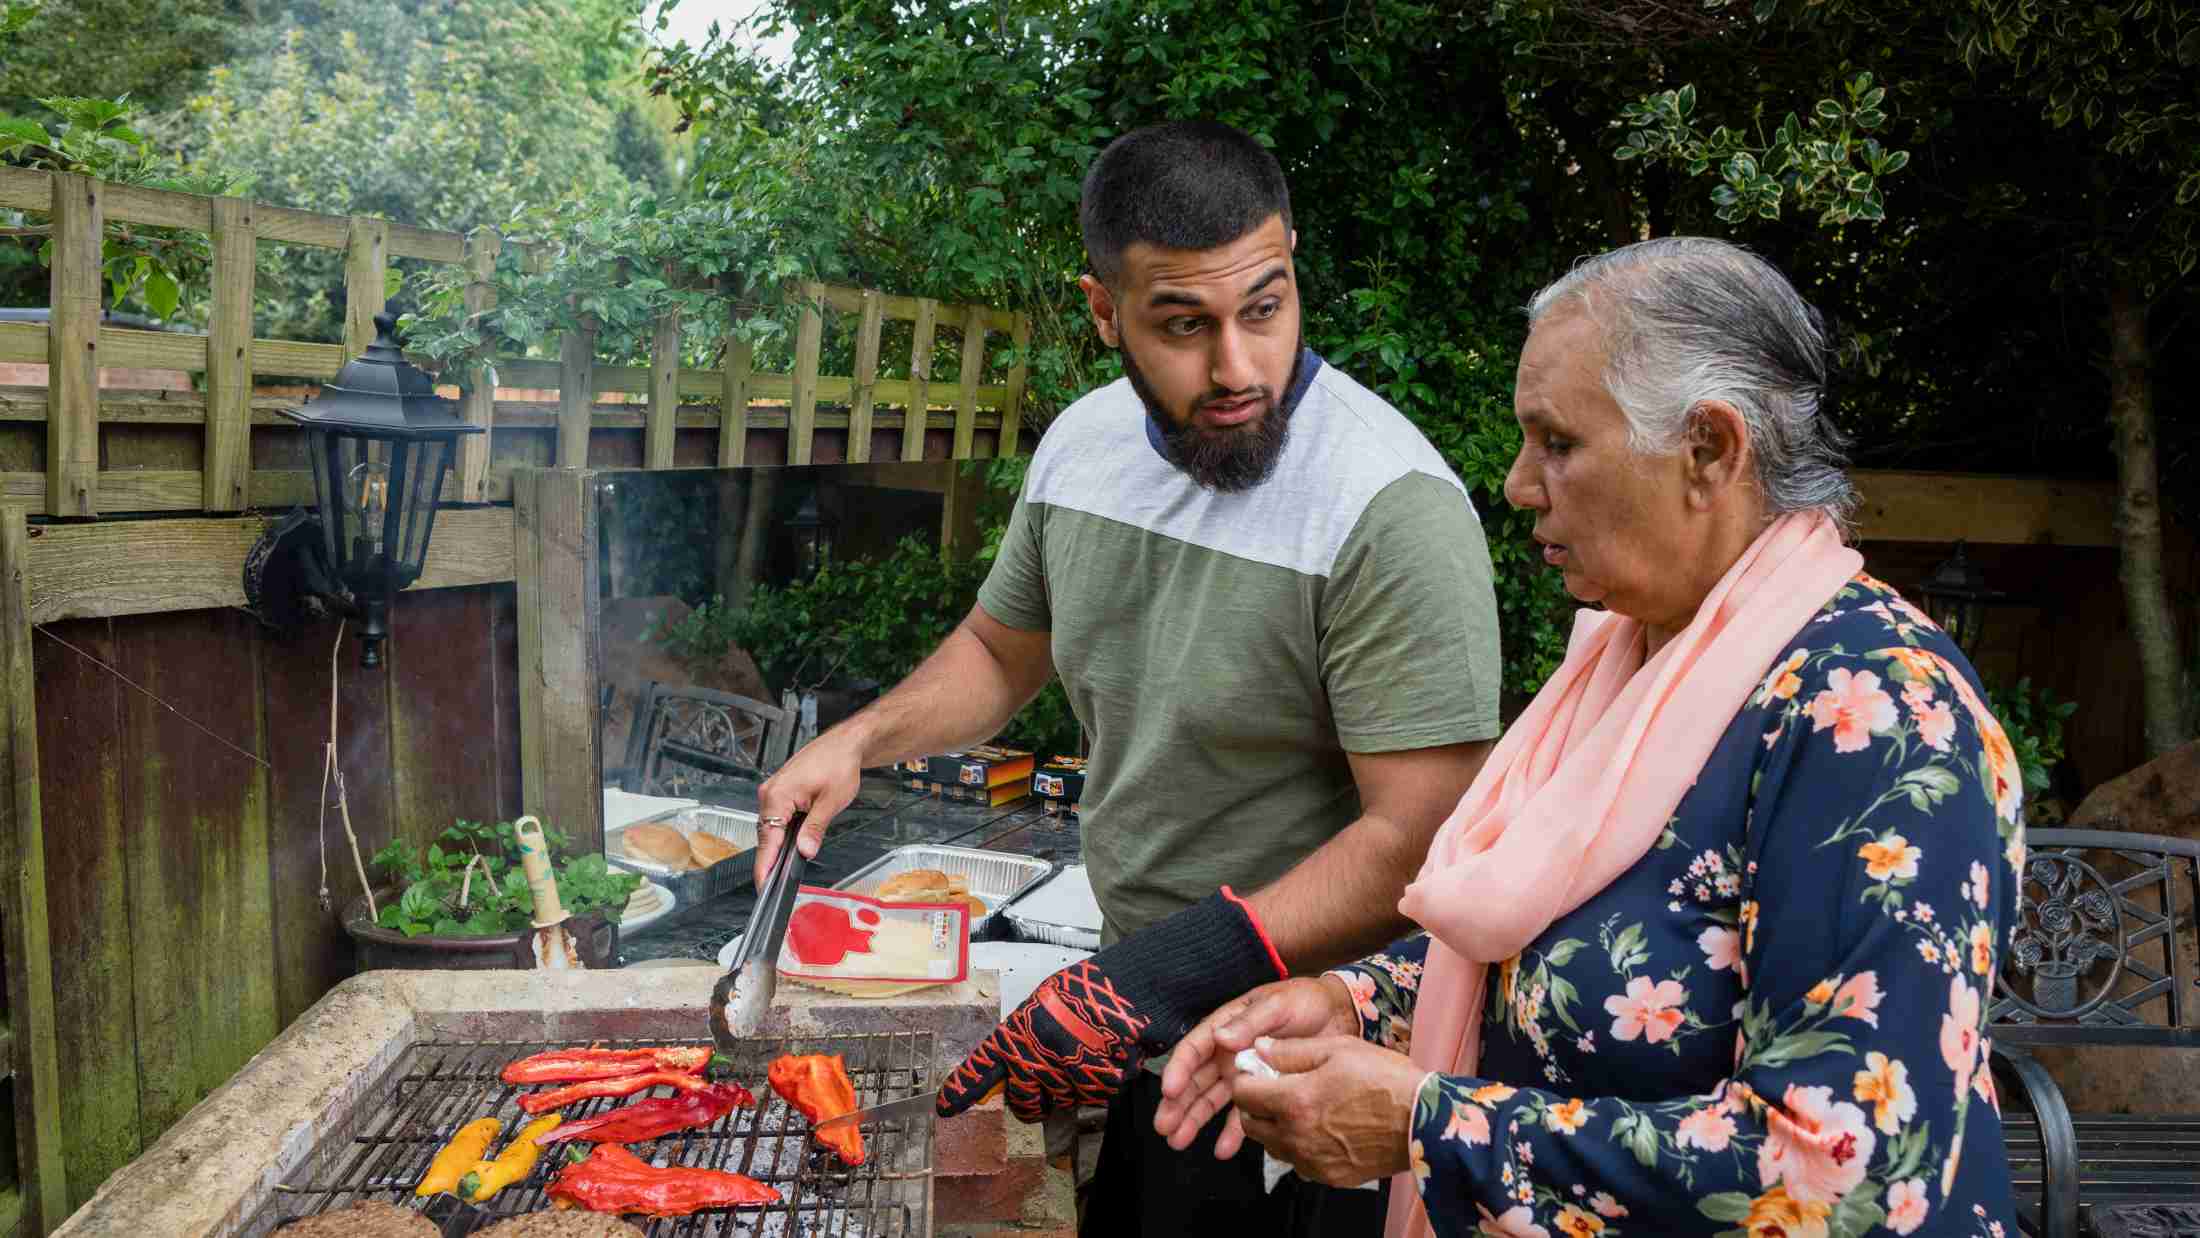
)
(627, 1085)
(576, 1065)
(647, 1119)
(817, 1084)
(615, 1180)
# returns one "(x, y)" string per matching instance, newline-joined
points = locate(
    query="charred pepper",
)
(647, 1119)
(625, 1085)
(458, 1157)
(578, 1065)
(817, 1084)
(615, 1180)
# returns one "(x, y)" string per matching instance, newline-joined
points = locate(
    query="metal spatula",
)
(745, 992)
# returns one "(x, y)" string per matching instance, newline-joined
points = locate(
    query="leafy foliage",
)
(2034, 722)
(1829, 163)
(442, 115)
(143, 267)
(152, 52)
(469, 883)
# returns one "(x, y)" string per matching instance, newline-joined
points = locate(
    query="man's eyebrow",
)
(1172, 297)
(1274, 274)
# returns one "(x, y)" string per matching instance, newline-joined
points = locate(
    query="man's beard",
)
(1229, 459)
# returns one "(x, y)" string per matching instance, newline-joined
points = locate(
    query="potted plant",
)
(462, 902)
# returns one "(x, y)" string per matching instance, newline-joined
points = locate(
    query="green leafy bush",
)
(496, 899)
(2034, 722)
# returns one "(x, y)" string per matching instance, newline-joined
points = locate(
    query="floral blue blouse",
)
(1775, 1023)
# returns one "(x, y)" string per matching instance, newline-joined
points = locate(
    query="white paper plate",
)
(665, 904)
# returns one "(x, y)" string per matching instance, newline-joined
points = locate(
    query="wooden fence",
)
(247, 457)
(158, 855)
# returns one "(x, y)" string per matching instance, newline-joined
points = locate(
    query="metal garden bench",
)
(2098, 959)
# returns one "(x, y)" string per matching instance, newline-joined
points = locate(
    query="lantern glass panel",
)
(321, 447)
(428, 460)
(363, 475)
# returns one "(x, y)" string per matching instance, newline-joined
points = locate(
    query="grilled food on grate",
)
(818, 1085)
(613, 1179)
(369, 1218)
(560, 1225)
(579, 1065)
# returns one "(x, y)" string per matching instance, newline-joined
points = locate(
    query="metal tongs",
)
(745, 992)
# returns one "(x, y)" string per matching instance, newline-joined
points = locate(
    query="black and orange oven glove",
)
(1083, 1032)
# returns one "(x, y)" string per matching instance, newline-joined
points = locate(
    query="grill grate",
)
(438, 1086)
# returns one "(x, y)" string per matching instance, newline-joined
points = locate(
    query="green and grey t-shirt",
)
(1224, 651)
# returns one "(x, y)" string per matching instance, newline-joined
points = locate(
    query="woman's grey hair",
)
(1687, 319)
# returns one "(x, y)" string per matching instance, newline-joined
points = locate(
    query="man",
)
(1270, 603)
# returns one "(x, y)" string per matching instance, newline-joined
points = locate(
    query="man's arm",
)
(963, 694)
(1341, 902)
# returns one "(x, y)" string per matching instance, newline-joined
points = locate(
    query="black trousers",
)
(1142, 1187)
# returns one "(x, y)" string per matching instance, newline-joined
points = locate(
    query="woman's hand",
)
(1341, 1113)
(1196, 1085)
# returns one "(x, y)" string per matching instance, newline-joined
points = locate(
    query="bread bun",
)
(978, 909)
(918, 885)
(706, 848)
(658, 844)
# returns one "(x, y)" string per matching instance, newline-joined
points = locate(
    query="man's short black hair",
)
(1185, 184)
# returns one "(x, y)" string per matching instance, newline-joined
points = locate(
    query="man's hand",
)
(1081, 1033)
(973, 683)
(1196, 1085)
(821, 779)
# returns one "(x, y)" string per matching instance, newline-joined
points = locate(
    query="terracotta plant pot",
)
(377, 947)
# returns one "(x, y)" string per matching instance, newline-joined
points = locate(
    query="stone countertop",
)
(883, 817)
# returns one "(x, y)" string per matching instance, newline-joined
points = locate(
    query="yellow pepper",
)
(514, 1163)
(458, 1156)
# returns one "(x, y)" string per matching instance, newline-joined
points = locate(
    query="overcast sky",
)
(691, 20)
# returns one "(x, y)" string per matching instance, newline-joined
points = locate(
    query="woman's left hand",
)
(1341, 1111)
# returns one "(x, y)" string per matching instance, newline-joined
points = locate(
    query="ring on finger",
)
(773, 823)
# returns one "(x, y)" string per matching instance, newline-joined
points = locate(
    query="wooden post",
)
(1012, 409)
(866, 377)
(959, 537)
(973, 367)
(664, 394)
(229, 360)
(554, 546)
(920, 377)
(576, 395)
(733, 409)
(802, 424)
(72, 348)
(366, 264)
(29, 953)
(482, 247)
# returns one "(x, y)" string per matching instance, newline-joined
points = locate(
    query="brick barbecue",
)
(352, 1098)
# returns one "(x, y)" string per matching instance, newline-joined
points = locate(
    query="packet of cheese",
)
(865, 947)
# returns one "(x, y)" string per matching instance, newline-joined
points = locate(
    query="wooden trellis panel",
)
(802, 416)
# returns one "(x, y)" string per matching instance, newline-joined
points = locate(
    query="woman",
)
(1710, 937)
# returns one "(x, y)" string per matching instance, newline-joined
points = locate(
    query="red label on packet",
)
(838, 935)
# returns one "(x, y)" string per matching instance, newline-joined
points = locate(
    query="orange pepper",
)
(818, 1085)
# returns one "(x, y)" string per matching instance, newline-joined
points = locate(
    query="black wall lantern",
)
(1956, 597)
(813, 536)
(380, 441)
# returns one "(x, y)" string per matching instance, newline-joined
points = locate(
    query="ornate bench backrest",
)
(2101, 953)
(687, 740)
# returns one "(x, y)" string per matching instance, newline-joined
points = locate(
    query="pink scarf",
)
(1587, 778)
